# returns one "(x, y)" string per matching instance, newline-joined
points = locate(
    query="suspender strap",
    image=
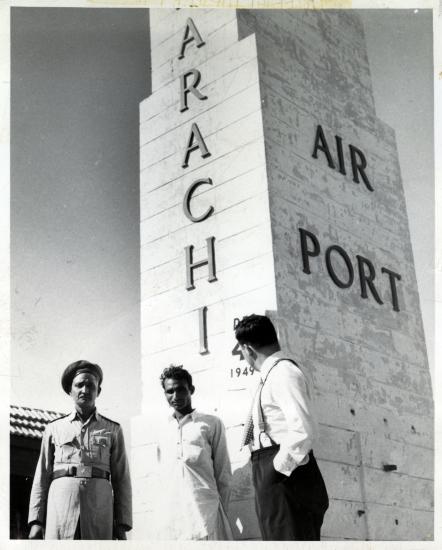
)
(261, 423)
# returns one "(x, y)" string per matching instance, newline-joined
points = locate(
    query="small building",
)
(26, 430)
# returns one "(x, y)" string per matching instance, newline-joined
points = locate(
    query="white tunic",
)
(195, 479)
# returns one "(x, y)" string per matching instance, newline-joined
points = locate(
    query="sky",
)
(400, 50)
(78, 76)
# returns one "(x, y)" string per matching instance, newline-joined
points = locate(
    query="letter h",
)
(191, 265)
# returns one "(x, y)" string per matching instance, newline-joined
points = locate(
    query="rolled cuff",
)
(125, 520)
(35, 522)
(37, 515)
(285, 462)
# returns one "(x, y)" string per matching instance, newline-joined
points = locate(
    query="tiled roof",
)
(28, 422)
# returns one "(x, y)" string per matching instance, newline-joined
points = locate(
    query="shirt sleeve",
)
(221, 463)
(121, 482)
(290, 391)
(42, 480)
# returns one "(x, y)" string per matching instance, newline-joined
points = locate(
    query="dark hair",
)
(256, 330)
(178, 373)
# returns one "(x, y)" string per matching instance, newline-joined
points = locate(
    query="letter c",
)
(188, 198)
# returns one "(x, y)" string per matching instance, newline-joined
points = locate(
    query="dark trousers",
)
(288, 508)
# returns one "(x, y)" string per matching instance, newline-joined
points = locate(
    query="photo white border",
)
(5, 542)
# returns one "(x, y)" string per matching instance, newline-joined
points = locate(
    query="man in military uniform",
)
(81, 488)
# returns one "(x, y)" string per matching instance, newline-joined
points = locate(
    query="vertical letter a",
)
(190, 28)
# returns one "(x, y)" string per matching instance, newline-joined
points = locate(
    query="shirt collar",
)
(74, 416)
(269, 362)
(190, 416)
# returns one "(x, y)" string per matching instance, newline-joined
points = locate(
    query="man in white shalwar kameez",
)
(195, 468)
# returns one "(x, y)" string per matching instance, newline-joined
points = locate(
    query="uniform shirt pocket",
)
(65, 447)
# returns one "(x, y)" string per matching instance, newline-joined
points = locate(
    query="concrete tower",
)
(268, 185)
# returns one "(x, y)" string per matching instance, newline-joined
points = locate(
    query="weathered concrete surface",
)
(271, 78)
(368, 362)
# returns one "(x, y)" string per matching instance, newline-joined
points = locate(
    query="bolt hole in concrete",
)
(413, 429)
(389, 467)
(385, 421)
(396, 522)
(352, 412)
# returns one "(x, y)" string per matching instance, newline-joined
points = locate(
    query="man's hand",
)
(36, 531)
(119, 532)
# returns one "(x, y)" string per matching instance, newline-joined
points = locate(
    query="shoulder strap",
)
(109, 420)
(58, 418)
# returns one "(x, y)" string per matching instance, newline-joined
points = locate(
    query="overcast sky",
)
(78, 76)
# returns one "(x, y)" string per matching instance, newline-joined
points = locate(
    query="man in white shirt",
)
(195, 464)
(290, 494)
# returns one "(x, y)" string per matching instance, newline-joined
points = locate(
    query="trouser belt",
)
(80, 470)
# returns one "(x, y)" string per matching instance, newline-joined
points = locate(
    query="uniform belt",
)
(80, 470)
